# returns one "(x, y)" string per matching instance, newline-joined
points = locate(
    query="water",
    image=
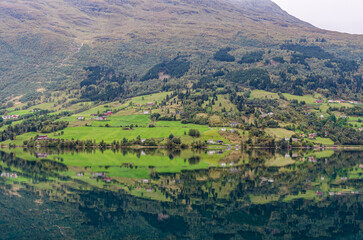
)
(159, 194)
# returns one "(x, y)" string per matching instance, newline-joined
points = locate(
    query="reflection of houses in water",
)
(42, 155)
(107, 179)
(143, 153)
(9, 175)
(265, 179)
(223, 164)
(162, 217)
(295, 155)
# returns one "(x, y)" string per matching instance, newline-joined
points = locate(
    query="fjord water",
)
(160, 194)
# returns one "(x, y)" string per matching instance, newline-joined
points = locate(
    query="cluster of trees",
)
(255, 78)
(223, 55)
(42, 124)
(97, 74)
(252, 57)
(175, 68)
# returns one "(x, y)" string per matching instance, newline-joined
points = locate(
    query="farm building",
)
(42, 137)
(107, 179)
(80, 118)
(100, 118)
(319, 101)
(9, 117)
(149, 103)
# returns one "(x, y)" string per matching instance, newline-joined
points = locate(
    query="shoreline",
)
(350, 147)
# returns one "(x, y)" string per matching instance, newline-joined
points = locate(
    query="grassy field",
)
(223, 102)
(279, 133)
(116, 121)
(307, 98)
(324, 141)
(109, 134)
(261, 94)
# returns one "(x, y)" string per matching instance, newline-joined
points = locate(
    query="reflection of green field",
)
(112, 162)
(309, 195)
(279, 161)
(323, 154)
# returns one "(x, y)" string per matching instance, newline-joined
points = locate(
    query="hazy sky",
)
(336, 15)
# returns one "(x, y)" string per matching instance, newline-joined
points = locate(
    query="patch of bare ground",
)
(41, 90)
(163, 75)
(15, 100)
(232, 157)
(39, 201)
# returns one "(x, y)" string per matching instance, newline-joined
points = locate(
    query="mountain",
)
(46, 44)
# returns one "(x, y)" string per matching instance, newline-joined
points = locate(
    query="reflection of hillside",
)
(104, 214)
(249, 201)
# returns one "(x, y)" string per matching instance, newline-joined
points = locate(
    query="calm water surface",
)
(159, 194)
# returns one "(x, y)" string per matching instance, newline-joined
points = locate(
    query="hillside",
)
(44, 45)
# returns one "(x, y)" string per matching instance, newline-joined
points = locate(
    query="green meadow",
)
(279, 132)
(116, 121)
(261, 94)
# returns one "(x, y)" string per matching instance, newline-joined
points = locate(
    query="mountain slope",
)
(47, 42)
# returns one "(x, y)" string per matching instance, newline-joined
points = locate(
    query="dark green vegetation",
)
(260, 196)
(176, 68)
(263, 83)
(223, 55)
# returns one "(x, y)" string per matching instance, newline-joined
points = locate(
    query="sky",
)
(337, 15)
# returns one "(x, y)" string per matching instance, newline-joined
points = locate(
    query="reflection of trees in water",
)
(37, 170)
(103, 214)
(210, 203)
